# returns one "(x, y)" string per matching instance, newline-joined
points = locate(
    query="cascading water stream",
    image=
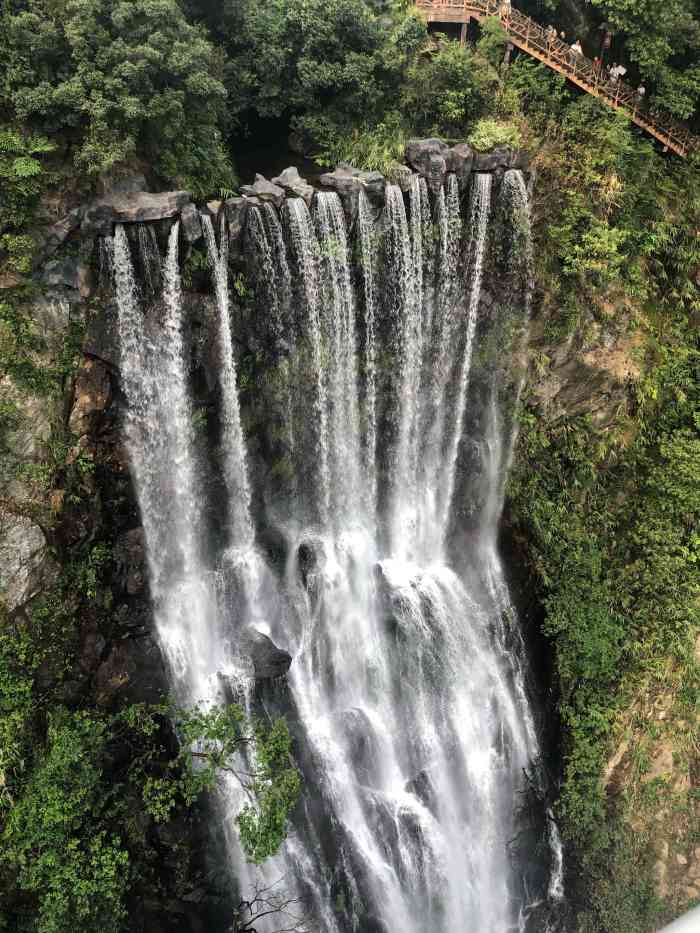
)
(479, 213)
(366, 236)
(304, 251)
(408, 684)
(161, 449)
(235, 470)
(338, 335)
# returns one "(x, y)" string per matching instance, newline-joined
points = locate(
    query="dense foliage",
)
(77, 786)
(610, 511)
(119, 79)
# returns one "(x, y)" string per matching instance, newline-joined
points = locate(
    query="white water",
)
(408, 682)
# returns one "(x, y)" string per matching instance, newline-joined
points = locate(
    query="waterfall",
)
(405, 345)
(160, 442)
(408, 689)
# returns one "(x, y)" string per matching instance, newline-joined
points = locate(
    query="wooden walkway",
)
(542, 44)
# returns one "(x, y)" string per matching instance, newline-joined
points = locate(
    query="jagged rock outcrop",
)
(264, 190)
(26, 566)
(191, 224)
(294, 185)
(91, 395)
(501, 158)
(348, 181)
(132, 207)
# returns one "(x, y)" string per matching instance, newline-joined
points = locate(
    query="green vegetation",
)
(73, 805)
(609, 511)
(664, 41)
(122, 79)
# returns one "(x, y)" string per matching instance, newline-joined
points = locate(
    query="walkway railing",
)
(544, 45)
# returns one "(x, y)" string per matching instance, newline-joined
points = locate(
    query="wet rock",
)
(26, 567)
(362, 743)
(421, 787)
(55, 235)
(294, 185)
(429, 158)
(91, 395)
(311, 558)
(190, 223)
(133, 672)
(403, 177)
(130, 559)
(269, 661)
(102, 335)
(265, 190)
(236, 210)
(131, 207)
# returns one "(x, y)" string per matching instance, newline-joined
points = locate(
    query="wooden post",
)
(463, 34)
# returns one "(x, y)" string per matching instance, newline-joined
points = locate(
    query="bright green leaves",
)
(223, 742)
(68, 837)
(274, 791)
(53, 838)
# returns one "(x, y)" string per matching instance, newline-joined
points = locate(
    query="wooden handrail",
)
(545, 46)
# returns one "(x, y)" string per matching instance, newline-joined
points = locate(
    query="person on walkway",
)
(550, 35)
(505, 8)
(641, 93)
(576, 53)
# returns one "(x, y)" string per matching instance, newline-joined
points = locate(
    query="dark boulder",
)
(294, 185)
(428, 157)
(269, 661)
(501, 158)
(132, 207)
(264, 190)
(133, 671)
(460, 159)
(236, 209)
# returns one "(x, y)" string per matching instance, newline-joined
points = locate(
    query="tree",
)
(119, 78)
(317, 63)
(663, 40)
